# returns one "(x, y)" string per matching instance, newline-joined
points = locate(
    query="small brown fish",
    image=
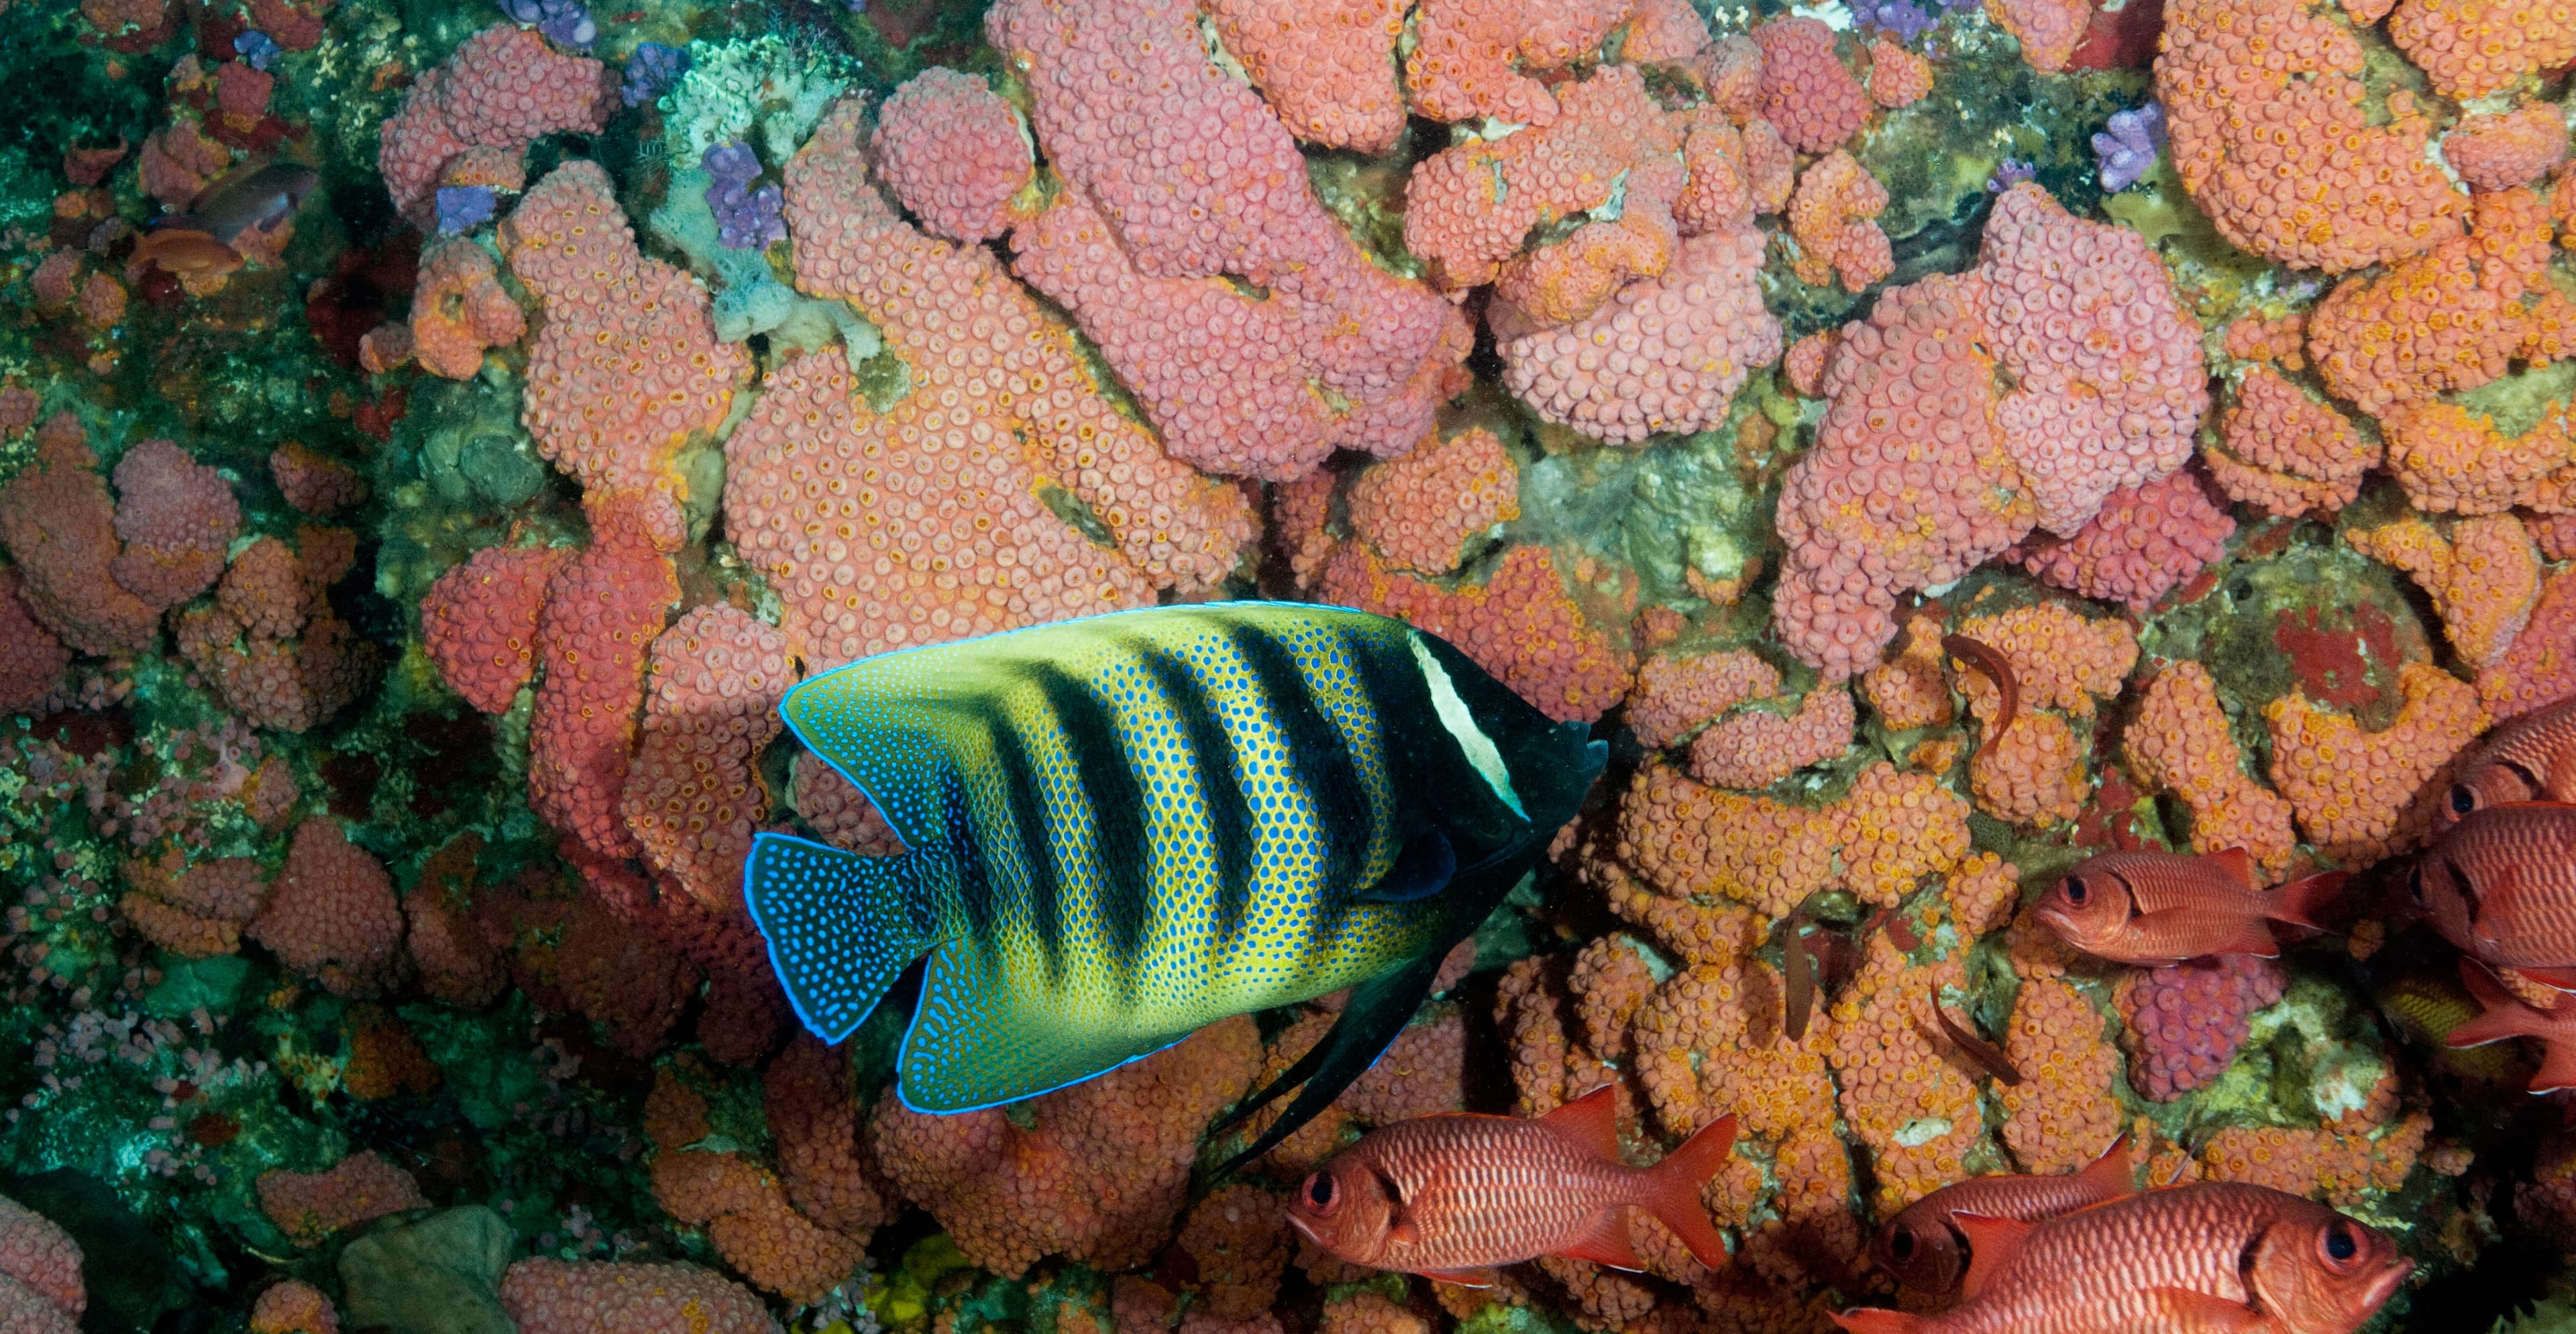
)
(2214, 1257)
(1998, 669)
(1986, 1055)
(2502, 886)
(247, 197)
(2531, 758)
(1797, 978)
(2504, 1015)
(2153, 908)
(185, 252)
(1923, 1249)
(1455, 1195)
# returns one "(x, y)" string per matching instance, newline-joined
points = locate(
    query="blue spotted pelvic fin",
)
(841, 927)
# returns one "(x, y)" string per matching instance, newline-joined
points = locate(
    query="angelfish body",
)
(2530, 758)
(2153, 908)
(2501, 885)
(1455, 1195)
(1121, 828)
(2214, 1257)
(1925, 1249)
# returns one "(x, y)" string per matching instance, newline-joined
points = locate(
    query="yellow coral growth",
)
(1708, 1042)
(2064, 1111)
(2361, 796)
(1981, 894)
(1909, 1098)
(2483, 579)
(2180, 743)
(2454, 461)
(2321, 1163)
(2033, 774)
(1907, 690)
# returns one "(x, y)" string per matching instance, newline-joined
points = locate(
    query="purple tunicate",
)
(2010, 172)
(564, 22)
(747, 218)
(1899, 17)
(462, 208)
(733, 162)
(651, 72)
(257, 49)
(2129, 146)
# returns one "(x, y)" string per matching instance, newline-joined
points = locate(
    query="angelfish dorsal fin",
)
(1591, 1122)
(1992, 1243)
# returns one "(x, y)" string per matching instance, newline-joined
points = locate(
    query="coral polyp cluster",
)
(1933, 444)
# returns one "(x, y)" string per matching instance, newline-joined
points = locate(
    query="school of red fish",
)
(1454, 1196)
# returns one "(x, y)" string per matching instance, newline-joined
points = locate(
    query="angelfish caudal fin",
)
(1673, 1187)
(841, 927)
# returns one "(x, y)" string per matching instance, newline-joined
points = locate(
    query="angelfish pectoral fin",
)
(1378, 1010)
(841, 927)
(1423, 868)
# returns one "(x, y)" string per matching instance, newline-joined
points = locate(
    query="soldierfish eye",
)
(2076, 891)
(2463, 800)
(1902, 1244)
(1319, 1191)
(2415, 885)
(2340, 1244)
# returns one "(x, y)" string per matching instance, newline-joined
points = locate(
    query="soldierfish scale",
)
(1139, 823)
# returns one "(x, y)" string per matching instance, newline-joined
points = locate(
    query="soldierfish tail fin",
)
(2306, 902)
(1672, 1189)
(1878, 1320)
(841, 927)
(2557, 1066)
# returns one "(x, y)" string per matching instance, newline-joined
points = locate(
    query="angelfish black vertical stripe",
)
(1095, 745)
(1319, 753)
(1213, 763)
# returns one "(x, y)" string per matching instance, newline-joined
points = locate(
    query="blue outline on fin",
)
(903, 1060)
(768, 943)
(904, 1052)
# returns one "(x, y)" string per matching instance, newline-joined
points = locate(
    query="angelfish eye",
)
(1319, 1191)
(2463, 800)
(2076, 893)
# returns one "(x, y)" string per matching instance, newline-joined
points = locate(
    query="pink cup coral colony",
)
(433, 438)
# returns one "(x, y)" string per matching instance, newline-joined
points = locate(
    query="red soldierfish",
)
(2532, 758)
(1924, 1249)
(2505, 1015)
(2502, 886)
(1454, 1195)
(2154, 908)
(2207, 1258)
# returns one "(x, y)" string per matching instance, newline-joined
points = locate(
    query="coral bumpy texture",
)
(1933, 443)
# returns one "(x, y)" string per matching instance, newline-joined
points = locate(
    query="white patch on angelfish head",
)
(1461, 722)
